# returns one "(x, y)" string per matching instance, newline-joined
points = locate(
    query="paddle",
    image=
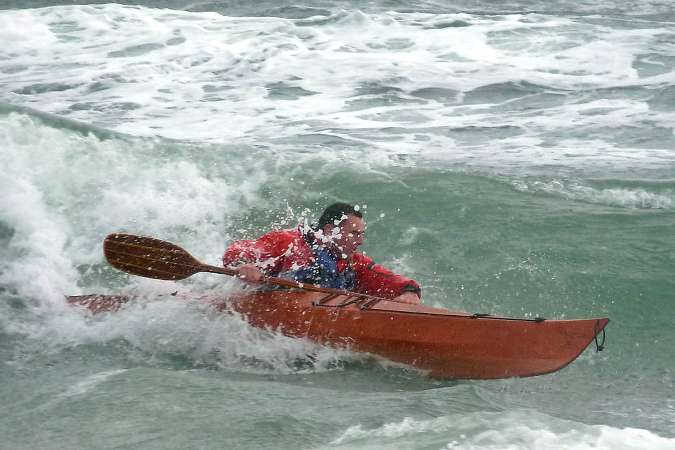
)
(153, 258)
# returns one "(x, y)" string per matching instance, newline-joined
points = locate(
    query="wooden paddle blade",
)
(149, 257)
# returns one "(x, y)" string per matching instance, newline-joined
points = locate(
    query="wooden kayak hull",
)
(442, 343)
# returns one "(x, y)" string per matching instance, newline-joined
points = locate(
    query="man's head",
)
(341, 227)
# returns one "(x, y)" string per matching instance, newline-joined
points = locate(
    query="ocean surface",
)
(516, 158)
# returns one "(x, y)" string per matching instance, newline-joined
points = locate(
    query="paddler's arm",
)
(256, 258)
(374, 279)
(250, 273)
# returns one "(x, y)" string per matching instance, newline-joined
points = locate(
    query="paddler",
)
(324, 255)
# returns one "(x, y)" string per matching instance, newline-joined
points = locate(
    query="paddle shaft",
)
(153, 258)
(283, 282)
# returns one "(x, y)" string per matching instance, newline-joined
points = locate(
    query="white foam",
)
(621, 197)
(156, 326)
(20, 32)
(36, 266)
(208, 77)
(64, 192)
(90, 382)
(513, 430)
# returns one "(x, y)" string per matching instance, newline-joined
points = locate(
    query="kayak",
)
(441, 343)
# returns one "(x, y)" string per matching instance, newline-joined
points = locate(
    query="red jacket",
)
(287, 250)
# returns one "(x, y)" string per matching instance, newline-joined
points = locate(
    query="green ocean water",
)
(502, 155)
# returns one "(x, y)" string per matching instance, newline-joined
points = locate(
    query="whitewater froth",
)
(393, 83)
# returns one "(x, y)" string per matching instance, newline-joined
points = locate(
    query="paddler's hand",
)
(408, 297)
(250, 273)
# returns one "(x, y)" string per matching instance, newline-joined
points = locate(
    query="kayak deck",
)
(444, 343)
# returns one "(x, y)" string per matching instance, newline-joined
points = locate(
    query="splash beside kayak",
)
(445, 344)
